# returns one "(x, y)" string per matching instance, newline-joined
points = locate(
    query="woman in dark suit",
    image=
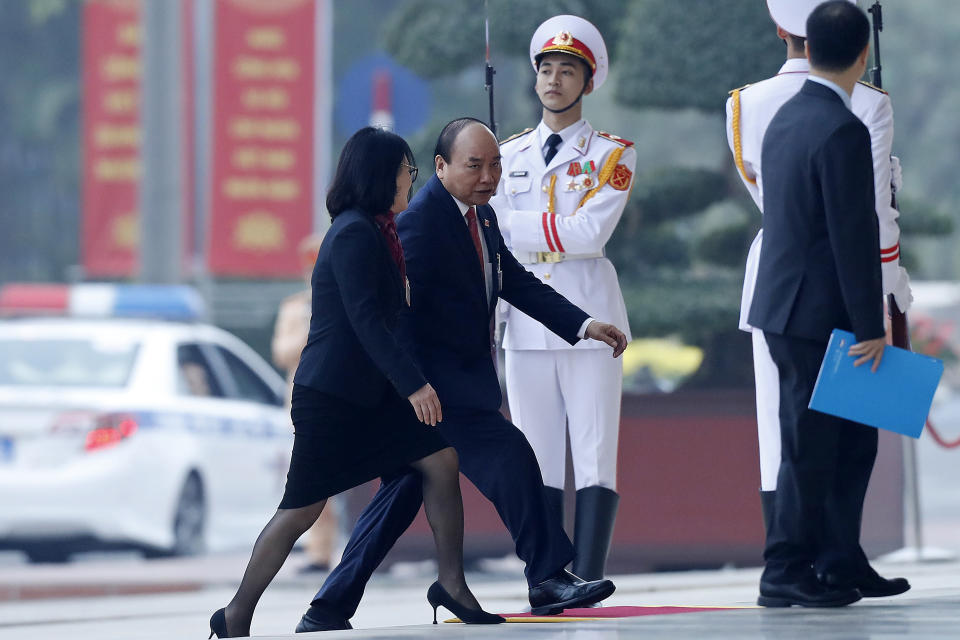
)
(361, 408)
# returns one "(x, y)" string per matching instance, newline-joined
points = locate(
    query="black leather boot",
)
(767, 500)
(554, 498)
(593, 530)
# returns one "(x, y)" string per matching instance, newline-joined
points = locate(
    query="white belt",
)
(550, 257)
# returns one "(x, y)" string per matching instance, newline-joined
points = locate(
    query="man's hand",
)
(605, 332)
(427, 405)
(868, 350)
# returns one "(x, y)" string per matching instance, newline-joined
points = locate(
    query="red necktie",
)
(475, 233)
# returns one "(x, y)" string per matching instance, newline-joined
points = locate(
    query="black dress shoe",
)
(567, 591)
(870, 584)
(806, 592)
(320, 618)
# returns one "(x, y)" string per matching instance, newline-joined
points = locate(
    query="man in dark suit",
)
(819, 270)
(458, 267)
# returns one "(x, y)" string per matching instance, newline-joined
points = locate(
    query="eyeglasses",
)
(412, 170)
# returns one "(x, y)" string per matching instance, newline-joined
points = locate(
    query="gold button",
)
(546, 276)
(545, 188)
(513, 190)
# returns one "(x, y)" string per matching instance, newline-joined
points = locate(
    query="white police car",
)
(165, 436)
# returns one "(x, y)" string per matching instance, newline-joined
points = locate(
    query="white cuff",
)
(582, 333)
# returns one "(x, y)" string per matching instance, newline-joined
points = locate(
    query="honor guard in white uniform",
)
(563, 189)
(749, 110)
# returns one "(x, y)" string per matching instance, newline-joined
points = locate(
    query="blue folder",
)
(896, 397)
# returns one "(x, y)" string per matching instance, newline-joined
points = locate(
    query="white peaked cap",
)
(575, 36)
(791, 15)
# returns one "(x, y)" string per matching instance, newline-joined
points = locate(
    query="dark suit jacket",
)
(448, 322)
(357, 295)
(820, 259)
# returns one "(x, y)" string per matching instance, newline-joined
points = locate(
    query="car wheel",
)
(189, 519)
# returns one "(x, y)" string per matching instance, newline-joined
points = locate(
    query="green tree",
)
(693, 53)
(436, 39)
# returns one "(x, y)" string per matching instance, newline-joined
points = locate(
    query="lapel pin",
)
(486, 222)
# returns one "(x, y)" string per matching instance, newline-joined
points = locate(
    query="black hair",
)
(366, 177)
(837, 32)
(796, 42)
(448, 136)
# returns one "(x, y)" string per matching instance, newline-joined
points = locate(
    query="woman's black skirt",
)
(339, 445)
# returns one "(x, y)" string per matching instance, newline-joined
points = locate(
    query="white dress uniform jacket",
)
(557, 212)
(757, 105)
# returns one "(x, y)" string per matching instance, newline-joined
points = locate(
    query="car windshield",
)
(75, 362)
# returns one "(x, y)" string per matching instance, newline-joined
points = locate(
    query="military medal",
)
(576, 169)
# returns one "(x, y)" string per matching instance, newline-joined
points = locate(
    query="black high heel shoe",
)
(438, 596)
(218, 624)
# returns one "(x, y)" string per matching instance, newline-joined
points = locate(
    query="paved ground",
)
(183, 593)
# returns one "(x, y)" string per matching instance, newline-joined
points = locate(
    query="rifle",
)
(876, 11)
(898, 319)
(488, 83)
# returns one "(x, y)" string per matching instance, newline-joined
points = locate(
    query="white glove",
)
(896, 174)
(901, 292)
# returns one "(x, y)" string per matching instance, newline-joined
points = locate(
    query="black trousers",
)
(497, 458)
(825, 469)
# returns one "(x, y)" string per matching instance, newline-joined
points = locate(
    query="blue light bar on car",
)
(171, 302)
(163, 302)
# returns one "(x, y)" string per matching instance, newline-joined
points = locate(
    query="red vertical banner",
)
(111, 136)
(261, 199)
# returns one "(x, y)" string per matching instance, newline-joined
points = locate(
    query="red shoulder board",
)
(613, 138)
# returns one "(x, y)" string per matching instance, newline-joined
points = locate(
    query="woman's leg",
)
(269, 553)
(443, 506)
